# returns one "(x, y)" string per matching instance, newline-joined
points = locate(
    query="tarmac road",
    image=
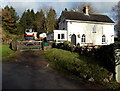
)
(31, 70)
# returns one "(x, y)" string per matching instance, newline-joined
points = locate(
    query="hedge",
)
(71, 62)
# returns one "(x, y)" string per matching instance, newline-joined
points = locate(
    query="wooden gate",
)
(26, 45)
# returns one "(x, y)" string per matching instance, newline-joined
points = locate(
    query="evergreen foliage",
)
(9, 20)
(27, 19)
(39, 23)
(50, 20)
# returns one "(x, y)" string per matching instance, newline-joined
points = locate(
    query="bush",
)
(103, 55)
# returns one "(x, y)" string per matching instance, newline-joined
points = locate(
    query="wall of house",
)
(109, 32)
(80, 28)
(50, 36)
(56, 32)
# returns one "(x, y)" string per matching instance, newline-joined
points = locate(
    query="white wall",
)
(56, 32)
(77, 27)
(109, 31)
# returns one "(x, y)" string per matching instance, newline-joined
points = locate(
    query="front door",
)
(73, 39)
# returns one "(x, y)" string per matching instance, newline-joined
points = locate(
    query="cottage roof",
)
(71, 15)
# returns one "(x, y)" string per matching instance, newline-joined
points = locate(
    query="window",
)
(83, 38)
(58, 36)
(62, 36)
(94, 29)
(103, 39)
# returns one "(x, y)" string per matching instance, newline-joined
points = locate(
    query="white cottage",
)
(84, 28)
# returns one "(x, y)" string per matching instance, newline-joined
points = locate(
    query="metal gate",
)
(34, 45)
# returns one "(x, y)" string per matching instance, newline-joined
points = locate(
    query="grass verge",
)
(72, 63)
(6, 52)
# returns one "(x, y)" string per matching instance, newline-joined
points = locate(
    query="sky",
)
(101, 6)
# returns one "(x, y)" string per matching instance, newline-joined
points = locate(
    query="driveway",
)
(31, 70)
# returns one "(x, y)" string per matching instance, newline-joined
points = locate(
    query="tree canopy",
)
(9, 19)
(44, 20)
(116, 9)
(39, 23)
(50, 20)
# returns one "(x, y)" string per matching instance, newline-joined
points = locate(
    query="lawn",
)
(6, 51)
(117, 42)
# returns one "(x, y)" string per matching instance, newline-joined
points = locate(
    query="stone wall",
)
(108, 55)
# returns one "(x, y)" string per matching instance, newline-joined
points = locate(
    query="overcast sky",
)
(101, 6)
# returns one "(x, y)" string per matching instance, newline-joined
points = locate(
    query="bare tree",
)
(79, 7)
(116, 9)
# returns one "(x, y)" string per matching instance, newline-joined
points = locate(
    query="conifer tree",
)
(50, 20)
(27, 20)
(9, 20)
(39, 23)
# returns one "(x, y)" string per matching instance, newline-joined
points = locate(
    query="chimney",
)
(85, 10)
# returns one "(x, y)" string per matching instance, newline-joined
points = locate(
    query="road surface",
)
(31, 70)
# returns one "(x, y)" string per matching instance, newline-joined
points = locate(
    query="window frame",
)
(59, 36)
(83, 39)
(62, 36)
(103, 39)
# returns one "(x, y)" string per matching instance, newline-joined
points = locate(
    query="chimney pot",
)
(85, 10)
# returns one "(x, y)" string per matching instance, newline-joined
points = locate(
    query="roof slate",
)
(71, 15)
